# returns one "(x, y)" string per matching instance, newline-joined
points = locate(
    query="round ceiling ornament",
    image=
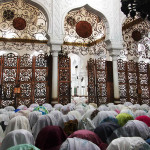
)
(84, 29)
(71, 21)
(19, 23)
(136, 35)
(8, 15)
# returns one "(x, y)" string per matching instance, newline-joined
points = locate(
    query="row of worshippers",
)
(75, 126)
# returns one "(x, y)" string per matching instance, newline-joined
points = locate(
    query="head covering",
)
(15, 114)
(48, 107)
(33, 117)
(1, 135)
(133, 128)
(65, 109)
(88, 135)
(25, 112)
(18, 122)
(58, 106)
(128, 143)
(104, 130)
(103, 115)
(139, 113)
(9, 108)
(57, 115)
(78, 144)
(76, 114)
(23, 147)
(33, 105)
(41, 109)
(22, 107)
(144, 119)
(43, 121)
(127, 104)
(145, 107)
(4, 118)
(86, 122)
(127, 111)
(64, 119)
(3, 111)
(17, 137)
(123, 118)
(93, 104)
(103, 108)
(50, 138)
(110, 119)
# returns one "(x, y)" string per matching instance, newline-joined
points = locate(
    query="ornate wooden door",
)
(64, 80)
(134, 82)
(91, 81)
(9, 79)
(30, 74)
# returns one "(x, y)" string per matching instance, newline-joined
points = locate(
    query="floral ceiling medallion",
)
(84, 29)
(19, 23)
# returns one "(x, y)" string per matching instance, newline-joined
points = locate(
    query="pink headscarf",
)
(144, 119)
(50, 138)
(90, 136)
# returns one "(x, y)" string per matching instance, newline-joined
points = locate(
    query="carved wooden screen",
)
(0, 80)
(41, 89)
(9, 79)
(91, 82)
(122, 78)
(143, 88)
(64, 80)
(101, 81)
(31, 74)
(26, 80)
(132, 81)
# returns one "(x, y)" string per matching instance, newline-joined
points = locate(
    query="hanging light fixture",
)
(134, 7)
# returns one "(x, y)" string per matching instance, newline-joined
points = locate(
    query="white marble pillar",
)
(115, 78)
(55, 77)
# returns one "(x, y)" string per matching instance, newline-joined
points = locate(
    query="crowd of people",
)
(75, 126)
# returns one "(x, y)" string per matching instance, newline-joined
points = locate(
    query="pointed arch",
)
(90, 9)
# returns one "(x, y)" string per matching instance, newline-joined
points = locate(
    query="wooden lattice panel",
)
(143, 83)
(64, 80)
(30, 74)
(101, 78)
(91, 82)
(122, 78)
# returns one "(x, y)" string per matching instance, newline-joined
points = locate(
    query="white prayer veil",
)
(43, 121)
(33, 117)
(18, 122)
(17, 137)
(78, 144)
(128, 143)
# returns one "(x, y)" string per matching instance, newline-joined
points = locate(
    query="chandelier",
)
(134, 7)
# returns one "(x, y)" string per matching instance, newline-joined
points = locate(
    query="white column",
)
(115, 77)
(55, 77)
(114, 47)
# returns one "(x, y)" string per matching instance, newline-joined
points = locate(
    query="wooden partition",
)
(100, 81)
(28, 73)
(134, 82)
(64, 80)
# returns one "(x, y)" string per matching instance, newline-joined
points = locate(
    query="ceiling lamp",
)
(134, 7)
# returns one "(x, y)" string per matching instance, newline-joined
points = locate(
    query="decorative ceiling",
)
(84, 33)
(20, 20)
(136, 39)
